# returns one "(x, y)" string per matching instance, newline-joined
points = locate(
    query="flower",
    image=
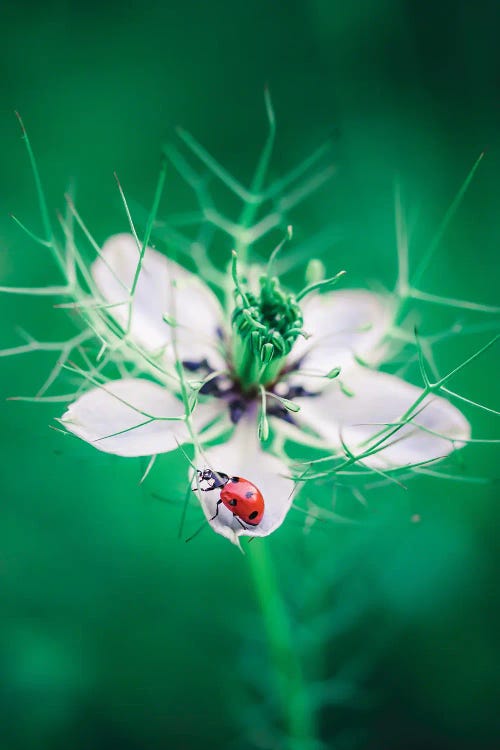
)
(239, 379)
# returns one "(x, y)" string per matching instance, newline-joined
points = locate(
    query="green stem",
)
(292, 692)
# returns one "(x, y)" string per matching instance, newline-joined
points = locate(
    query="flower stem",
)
(292, 692)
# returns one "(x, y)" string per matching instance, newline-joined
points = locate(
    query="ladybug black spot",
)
(254, 514)
(249, 494)
(235, 479)
(233, 501)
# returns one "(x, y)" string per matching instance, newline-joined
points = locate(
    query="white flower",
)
(145, 416)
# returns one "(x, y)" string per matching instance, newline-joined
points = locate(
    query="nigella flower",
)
(254, 374)
(243, 378)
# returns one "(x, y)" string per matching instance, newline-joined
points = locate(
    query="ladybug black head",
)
(216, 478)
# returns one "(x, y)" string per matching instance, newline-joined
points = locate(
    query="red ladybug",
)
(238, 495)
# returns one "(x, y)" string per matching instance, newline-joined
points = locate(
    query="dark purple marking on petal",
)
(298, 391)
(193, 365)
(237, 407)
(276, 410)
(211, 388)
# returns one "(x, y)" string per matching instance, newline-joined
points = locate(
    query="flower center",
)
(265, 327)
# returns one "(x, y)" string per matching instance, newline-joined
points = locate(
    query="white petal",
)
(243, 456)
(342, 324)
(211, 419)
(381, 399)
(197, 310)
(127, 407)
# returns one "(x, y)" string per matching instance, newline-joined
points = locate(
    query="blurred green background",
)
(114, 633)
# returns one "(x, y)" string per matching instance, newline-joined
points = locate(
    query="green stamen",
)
(263, 426)
(345, 390)
(289, 235)
(320, 285)
(266, 326)
(267, 353)
(285, 402)
(169, 320)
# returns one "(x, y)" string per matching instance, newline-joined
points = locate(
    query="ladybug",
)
(241, 497)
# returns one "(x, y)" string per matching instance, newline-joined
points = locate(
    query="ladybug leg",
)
(216, 510)
(211, 485)
(240, 522)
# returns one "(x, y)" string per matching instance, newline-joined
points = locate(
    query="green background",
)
(114, 633)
